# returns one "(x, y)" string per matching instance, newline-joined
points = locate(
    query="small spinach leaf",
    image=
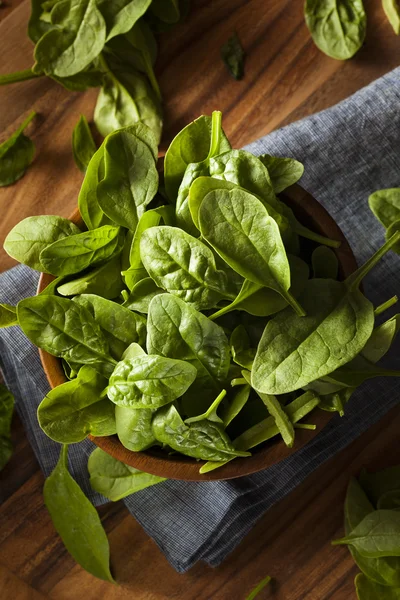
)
(283, 172)
(83, 146)
(16, 154)
(121, 15)
(233, 56)
(115, 480)
(8, 315)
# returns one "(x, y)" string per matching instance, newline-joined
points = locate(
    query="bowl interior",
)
(310, 214)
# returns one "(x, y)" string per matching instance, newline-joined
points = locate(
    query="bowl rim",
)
(180, 467)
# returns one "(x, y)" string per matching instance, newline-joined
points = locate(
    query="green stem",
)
(305, 426)
(382, 307)
(216, 121)
(238, 381)
(19, 76)
(291, 300)
(354, 280)
(315, 237)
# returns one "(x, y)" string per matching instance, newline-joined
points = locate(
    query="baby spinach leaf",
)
(236, 404)
(88, 204)
(83, 146)
(336, 26)
(183, 265)
(385, 204)
(239, 228)
(77, 38)
(8, 315)
(283, 172)
(65, 329)
(176, 330)
(211, 413)
(126, 98)
(121, 15)
(369, 590)
(246, 170)
(134, 427)
(30, 236)
(294, 352)
(191, 145)
(77, 521)
(6, 412)
(75, 409)
(16, 154)
(166, 10)
(324, 263)
(104, 281)
(130, 179)
(204, 440)
(233, 56)
(392, 11)
(121, 327)
(149, 381)
(141, 295)
(263, 302)
(259, 587)
(115, 480)
(242, 352)
(377, 535)
(75, 253)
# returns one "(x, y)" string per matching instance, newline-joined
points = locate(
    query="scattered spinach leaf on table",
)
(16, 154)
(233, 56)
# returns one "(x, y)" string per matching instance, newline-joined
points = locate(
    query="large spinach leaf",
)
(76, 520)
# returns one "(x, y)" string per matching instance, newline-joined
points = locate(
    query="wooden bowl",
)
(311, 214)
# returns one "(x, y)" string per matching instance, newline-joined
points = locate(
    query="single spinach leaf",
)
(238, 227)
(233, 56)
(377, 535)
(204, 440)
(385, 204)
(8, 315)
(183, 265)
(83, 146)
(75, 409)
(369, 590)
(16, 154)
(191, 145)
(126, 98)
(141, 295)
(88, 203)
(77, 252)
(324, 263)
(130, 179)
(336, 26)
(65, 329)
(134, 427)
(30, 236)
(77, 38)
(121, 15)
(77, 521)
(149, 381)
(104, 281)
(281, 418)
(121, 327)
(115, 480)
(6, 412)
(283, 172)
(176, 330)
(392, 11)
(294, 352)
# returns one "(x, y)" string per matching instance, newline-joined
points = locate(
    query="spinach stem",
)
(216, 121)
(291, 300)
(315, 237)
(385, 305)
(354, 280)
(19, 76)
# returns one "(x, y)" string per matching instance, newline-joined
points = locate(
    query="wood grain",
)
(286, 78)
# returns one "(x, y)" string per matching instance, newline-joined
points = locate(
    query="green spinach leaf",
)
(392, 11)
(283, 172)
(369, 590)
(8, 315)
(377, 535)
(77, 521)
(134, 427)
(324, 263)
(104, 281)
(121, 15)
(233, 56)
(16, 154)
(141, 295)
(83, 146)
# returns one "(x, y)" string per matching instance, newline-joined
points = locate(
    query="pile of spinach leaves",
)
(192, 311)
(100, 43)
(372, 528)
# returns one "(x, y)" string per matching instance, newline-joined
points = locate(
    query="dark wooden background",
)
(286, 78)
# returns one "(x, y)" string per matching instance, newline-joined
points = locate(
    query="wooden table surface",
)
(286, 79)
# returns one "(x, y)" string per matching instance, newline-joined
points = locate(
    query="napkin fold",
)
(348, 151)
